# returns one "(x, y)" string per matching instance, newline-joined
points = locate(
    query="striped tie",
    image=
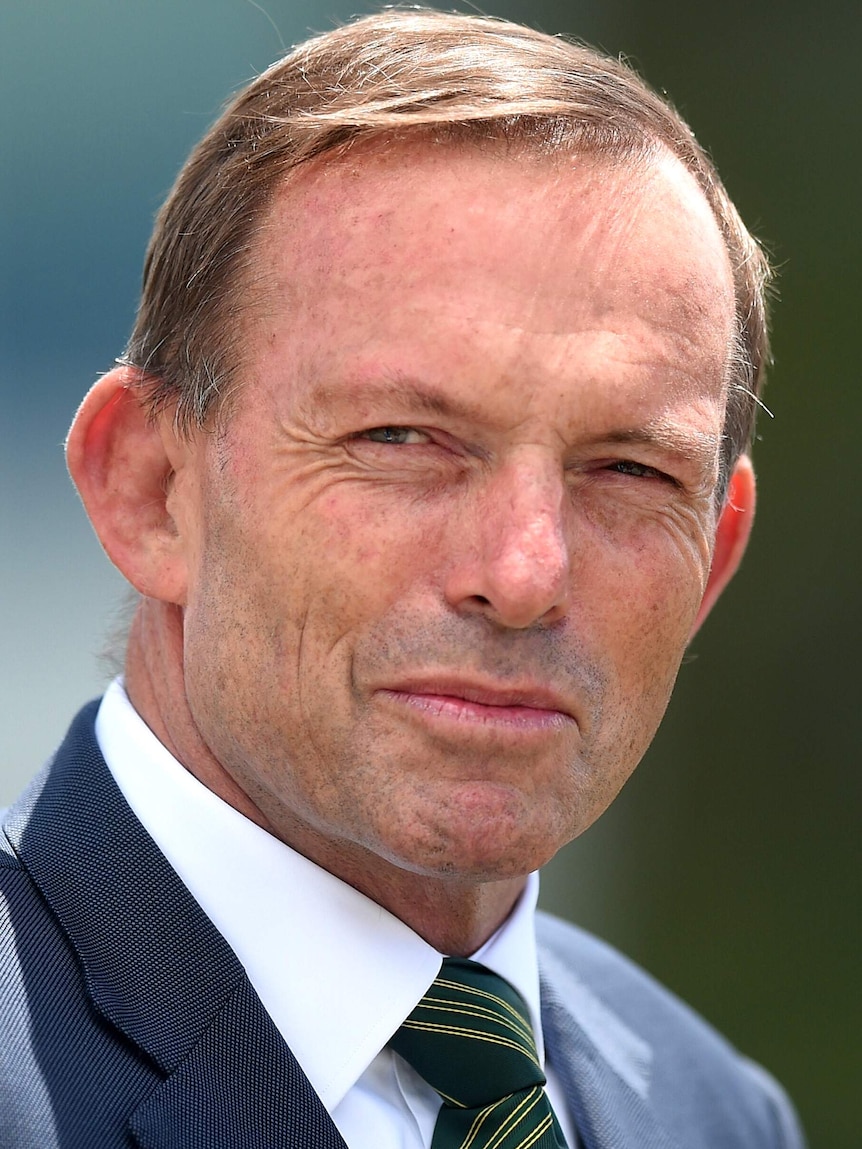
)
(471, 1039)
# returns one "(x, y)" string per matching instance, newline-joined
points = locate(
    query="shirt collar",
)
(336, 972)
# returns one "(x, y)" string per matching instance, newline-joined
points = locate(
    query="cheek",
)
(658, 560)
(287, 596)
(652, 620)
(644, 602)
(365, 549)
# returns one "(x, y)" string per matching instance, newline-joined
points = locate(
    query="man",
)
(427, 458)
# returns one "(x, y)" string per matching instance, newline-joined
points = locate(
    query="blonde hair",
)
(469, 79)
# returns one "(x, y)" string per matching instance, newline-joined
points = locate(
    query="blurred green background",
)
(730, 866)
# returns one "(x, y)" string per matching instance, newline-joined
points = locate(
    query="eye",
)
(394, 436)
(637, 470)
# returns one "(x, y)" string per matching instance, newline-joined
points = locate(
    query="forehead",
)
(644, 215)
(383, 244)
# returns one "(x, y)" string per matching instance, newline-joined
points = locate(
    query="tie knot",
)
(470, 1037)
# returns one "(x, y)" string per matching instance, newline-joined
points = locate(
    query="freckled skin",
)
(519, 317)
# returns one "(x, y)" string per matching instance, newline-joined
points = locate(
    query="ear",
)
(123, 465)
(731, 536)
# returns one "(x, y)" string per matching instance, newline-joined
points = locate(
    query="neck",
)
(453, 914)
(456, 922)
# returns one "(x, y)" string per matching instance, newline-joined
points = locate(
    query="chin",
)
(487, 838)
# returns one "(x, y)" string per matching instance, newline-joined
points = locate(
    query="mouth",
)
(529, 708)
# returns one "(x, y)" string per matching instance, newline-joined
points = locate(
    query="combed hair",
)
(395, 75)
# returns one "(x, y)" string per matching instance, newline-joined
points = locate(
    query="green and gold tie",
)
(470, 1038)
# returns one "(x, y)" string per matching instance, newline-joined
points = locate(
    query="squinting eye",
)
(397, 436)
(637, 470)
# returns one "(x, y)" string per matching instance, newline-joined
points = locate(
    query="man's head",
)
(417, 601)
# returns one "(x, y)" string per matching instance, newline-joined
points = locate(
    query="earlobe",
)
(118, 461)
(731, 536)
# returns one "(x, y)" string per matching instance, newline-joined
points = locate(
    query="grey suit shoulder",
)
(669, 1069)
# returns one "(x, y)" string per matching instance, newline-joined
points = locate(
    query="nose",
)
(513, 559)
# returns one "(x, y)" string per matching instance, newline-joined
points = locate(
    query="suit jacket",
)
(126, 1020)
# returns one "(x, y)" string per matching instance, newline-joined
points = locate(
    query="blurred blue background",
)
(730, 866)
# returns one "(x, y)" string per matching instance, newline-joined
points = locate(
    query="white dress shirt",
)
(336, 972)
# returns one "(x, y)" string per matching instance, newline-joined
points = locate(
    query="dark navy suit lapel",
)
(158, 970)
(240, 1087)
(604, 1067)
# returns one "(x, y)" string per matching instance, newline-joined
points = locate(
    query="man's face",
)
(445, 556)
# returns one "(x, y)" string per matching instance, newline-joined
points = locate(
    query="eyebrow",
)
(395, 386)
(700, 446)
